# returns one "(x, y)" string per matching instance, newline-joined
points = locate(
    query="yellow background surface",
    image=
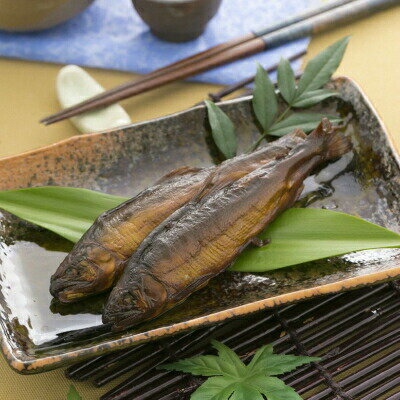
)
(27, 94)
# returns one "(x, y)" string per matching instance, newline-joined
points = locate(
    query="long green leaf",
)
(305, 121)
(301, 235)
(66, 211)
(297, 236)
(319, 70)
(223, 130)
(265, 103)
(286, 80)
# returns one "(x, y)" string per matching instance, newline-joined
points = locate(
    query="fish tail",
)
(333, 143)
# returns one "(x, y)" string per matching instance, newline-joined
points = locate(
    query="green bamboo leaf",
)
(319, 70)
(301, 235)
(66, 211)
(286, 81)
(309, 99)
(223, 130)
(305, 121)
(265, 103)
(297, 236)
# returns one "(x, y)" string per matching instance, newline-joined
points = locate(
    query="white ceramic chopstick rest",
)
(74, 85)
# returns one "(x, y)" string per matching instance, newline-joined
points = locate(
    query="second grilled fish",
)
(203, 238)
(99, 257)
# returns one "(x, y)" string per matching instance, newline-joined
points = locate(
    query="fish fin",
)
(212, 184)
(178, 172)
(207, 187)
(334, 143)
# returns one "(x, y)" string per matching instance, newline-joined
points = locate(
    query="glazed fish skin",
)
(99, 257)
(202, 239)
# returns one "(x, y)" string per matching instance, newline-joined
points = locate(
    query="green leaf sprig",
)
(307, 93)
(230, 378)
(222, 129)
(296, 236)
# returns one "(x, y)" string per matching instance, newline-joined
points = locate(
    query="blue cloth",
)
(110, 34)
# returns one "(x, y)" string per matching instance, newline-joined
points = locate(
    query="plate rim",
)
(23, 363)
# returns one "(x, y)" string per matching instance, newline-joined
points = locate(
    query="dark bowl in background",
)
(35, 15)
(177, 20)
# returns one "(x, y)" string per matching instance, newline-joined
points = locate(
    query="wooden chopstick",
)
(192, 59)
(226, 91)
(207, 53)
(181, 63)
(124, 91)
(226, 53)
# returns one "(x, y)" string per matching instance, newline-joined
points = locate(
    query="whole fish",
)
(203, 238)
(99, 257)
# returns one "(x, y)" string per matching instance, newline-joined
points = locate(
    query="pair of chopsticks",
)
(321, 19)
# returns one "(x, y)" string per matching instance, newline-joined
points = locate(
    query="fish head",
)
(131, 304)
(86, 270)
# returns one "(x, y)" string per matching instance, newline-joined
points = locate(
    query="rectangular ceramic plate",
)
(37, 335)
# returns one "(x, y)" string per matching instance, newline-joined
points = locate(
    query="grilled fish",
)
(99, 257)
(202, 239)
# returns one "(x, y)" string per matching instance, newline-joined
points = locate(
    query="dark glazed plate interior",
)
(38, 335)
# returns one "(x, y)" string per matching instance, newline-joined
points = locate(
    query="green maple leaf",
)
(229, 378)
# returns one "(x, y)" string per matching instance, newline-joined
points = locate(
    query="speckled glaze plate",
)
(38, 335)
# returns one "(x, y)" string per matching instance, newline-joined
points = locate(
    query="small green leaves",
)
(223, 131)
(308, 93)
(265, 103)
(305, 121)
(231, 379)
(73, 394)
(319, 70)
(286, 81)
(301, 235)
(313, 97)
